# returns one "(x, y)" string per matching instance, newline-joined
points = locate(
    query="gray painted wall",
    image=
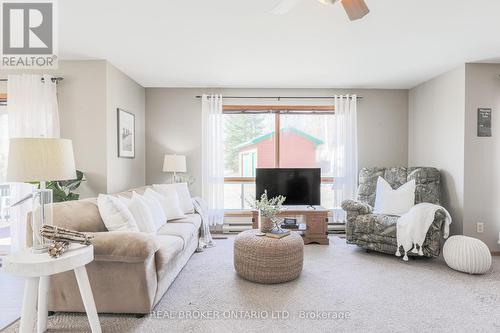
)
(124, 93)
(482, 155)
(436, 136)
(82, 97)
(173, 124)
(443, 133)
(89, 91)
(434, 124)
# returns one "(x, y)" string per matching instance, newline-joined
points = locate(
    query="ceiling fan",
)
(355, 9)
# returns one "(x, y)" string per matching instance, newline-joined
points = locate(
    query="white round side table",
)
(37, 268)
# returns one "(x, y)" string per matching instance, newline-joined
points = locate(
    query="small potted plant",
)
(268, 212)
(63, 189)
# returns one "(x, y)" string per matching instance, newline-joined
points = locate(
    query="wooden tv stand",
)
(316, 220)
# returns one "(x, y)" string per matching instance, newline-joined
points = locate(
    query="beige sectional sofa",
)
(131, 270)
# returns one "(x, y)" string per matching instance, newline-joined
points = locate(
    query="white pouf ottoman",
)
(467, 254)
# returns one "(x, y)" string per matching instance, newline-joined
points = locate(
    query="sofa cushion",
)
(182, 191)
(394, 201)
(115, 214)
(185, 231)
(155, 209)
(385, 225)
(364, 223)
(80, 215)
(124, 246)
(141, 212)
(170, 247)
(169, 203)
(378, 224)
(128, 194)
(194, 219)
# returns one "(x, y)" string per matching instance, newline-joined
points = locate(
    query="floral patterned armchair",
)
(377, 232)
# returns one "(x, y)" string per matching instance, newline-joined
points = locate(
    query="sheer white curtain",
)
(32, 106)
(32, 112)
(212, 157)
(344, 152)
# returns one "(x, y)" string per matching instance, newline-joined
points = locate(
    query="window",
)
(4, 142)
(4, 187)
(275, 138)
(243, 134)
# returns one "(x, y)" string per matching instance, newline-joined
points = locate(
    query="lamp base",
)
(41, 215)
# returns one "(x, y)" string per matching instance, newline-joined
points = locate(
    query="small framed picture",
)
(484, 122)
(126, 134)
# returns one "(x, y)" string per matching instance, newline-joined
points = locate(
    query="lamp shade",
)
(174, 163)
(40, 159)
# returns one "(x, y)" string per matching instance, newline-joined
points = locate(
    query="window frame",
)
(5, 135)
(277, 110)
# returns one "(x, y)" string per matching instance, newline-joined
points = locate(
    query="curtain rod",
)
(54, 79)
(280, 97)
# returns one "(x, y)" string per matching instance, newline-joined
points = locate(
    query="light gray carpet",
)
(11, 298)
(380, 292)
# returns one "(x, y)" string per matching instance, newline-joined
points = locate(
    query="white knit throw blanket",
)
(205, 240)
(413, 226)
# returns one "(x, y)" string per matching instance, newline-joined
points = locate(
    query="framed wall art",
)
(126, 134)
(484, 122)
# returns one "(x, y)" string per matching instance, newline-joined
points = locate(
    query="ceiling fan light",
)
(355, 9)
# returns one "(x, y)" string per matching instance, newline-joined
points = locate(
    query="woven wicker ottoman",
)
(268, 260)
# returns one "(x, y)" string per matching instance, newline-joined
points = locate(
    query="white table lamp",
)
(40, 160)
(174, 163)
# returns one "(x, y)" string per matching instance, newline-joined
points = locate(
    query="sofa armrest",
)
(124, 246)
(356, 206)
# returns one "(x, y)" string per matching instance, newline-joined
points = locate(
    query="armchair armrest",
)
(356, 206)
(124, 246)
(439, 215)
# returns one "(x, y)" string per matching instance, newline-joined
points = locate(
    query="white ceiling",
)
(237, 43)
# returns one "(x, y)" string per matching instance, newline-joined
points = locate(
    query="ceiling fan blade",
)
(284, 6)
(355, 9)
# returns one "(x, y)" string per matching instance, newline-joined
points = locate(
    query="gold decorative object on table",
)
(57, 248)
(62, 237)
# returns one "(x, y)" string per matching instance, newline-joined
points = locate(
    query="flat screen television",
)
(299, 186)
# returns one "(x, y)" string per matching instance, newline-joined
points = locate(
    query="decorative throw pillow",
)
(156, 211)
(115, 214)
(170, 204)
(141, 212)
(394, 202)
(182, 191)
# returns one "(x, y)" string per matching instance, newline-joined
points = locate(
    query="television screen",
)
(299, 186)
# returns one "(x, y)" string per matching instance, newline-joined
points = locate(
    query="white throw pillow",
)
(170, 204)
(182, 191)
(115, 214)
(141, 212)
(394, 202)
(156, 211)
